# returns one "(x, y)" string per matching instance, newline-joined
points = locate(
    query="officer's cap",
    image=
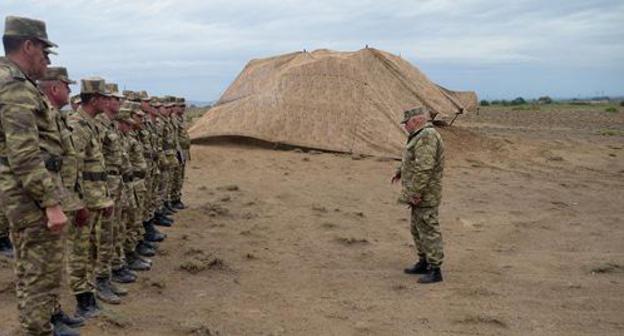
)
(57, 73)
(27, 28)
(407, 114)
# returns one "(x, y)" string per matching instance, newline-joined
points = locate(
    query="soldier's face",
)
(415, 123)
(114, 104)
(35, 50)
(62, 93)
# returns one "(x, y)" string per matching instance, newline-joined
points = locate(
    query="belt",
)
(92, 176)
(128, 177)
(53, 163)
(139, 175)
(113, 172)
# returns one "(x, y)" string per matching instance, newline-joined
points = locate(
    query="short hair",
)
(14, 43)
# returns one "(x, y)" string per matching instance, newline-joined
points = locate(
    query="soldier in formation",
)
(87, 185)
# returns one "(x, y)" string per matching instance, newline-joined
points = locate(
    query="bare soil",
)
(308, 243)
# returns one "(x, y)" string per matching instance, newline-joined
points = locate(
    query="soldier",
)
(31, 190)
(55, 86)
(113, 156)
(170, 148)
(83, 241)
(165, 154)
(152, 146)
(75, 102)
(183, 153)
(421, 173)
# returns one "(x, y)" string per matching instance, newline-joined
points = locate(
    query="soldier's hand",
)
(415, 200)
(82, 217)
(56, 218)
(395, 178)
(108, 212)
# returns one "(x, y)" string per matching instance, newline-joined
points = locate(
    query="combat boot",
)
(421, 267)
(152, 245)
(104, 291)
(6, 248)
(162, 220)
(177, 204)
(118, 290)
(433, 275)
(135, 263)
(61, 329)
(152, 234)
(170, 208)
(121, 276)
(84, 308)
(144, 250)
(72, 322)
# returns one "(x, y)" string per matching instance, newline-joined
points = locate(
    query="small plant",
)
(484, 103)
(611, 132)
(611, 109)
(622, 103)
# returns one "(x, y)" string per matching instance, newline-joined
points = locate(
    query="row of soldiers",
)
(87, 185)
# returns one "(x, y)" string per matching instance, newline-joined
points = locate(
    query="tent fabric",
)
(338, 101)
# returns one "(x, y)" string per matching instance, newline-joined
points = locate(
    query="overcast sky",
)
(192, 48)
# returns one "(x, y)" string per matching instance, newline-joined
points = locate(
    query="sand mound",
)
(338, 101)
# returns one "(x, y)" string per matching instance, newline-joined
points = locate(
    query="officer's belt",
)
(128, 177)
(52, 163)
(139, 175)
(93, 176)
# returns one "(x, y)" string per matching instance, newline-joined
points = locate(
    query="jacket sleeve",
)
(17, 115)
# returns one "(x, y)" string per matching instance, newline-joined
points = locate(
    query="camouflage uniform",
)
(183, 146)
(30, 159)
(127, 203)
(113, 156)
(150, 152)
(4, 224)
(139, 169)
(93, 181)
(421, 175)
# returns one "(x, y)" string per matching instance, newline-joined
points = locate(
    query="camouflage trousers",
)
(4, 225)
(425, 229)
(38, 269)
(177, 182)
(81, 254)
(120, 233)
(163, 183)
(105, 244)
(148, 198)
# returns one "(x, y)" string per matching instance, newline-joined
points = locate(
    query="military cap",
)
(76, 99)
(125, 115)
(169, 101)
(93, 85)
(412, 113)
(143, 95)
(27, 28)
(135, 108)
(113, 89)
(57, 73)
(155, 101)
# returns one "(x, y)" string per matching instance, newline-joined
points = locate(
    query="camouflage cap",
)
(155, 101)
(134, 107)
(28, 28)
(75, 99)
(412, 113)
(93, 85)
(125, 115)
(169, 101)
(143, 95)
(113, 89)
(57, 73)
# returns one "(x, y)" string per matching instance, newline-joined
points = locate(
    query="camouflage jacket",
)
(422, 167)
(30, 141)
(90, 160)
(137, 159)
(69, 170)
(170, 142)
(128, 199)
(111, 148)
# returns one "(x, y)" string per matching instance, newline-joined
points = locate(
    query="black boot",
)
(61, 329)
(177, 204)
(118, 290)
(152, 234)
(104, 291)
(162, 220)
(144, 250)
(72, 322)
(85, 307)
(421, 267)
(135, 263)
(152, 245)
(433, 275)
(170, 208)
(121, 276)
(6, 248)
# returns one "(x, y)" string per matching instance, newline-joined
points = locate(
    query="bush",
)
(518, 101)
(611, 109)
(495, 102)
(484, 103)
(622, 103)
(545, 100)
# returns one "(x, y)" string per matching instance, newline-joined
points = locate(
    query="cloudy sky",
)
(192, 48)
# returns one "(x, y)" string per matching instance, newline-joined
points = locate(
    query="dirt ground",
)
(304, 243)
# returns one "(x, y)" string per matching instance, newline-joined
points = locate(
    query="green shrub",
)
(484, 103)
(518, 101)
(611, 109)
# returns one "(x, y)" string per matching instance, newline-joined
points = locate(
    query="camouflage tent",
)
(339, 101)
